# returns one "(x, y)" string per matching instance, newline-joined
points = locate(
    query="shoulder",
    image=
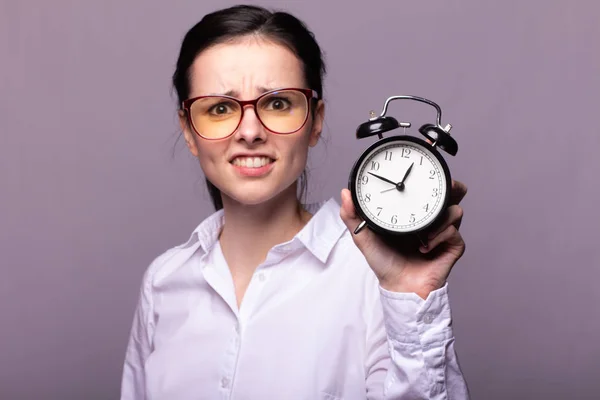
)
(162, 266)
(162, 262)
(201, 239)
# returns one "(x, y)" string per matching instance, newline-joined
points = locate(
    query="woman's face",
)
(246, 69)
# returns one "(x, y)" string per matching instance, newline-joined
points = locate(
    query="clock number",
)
(379, 210)
(421, 163)
(412, 218)
(435, 192)
(405, 153)
(365, 179)
(374, 166)
(368, 197)
(394, 219)
(432, 172)
(426, 208)
(388, 155)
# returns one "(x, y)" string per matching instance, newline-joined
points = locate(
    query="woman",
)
(270, 298)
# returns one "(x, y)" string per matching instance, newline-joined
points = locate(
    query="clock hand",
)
(400, 185)
(382, 178)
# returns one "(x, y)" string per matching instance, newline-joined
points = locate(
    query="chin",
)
(258, 193)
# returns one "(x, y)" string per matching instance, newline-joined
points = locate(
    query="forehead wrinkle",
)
(248, 88)
(253, 77)
(258, 89)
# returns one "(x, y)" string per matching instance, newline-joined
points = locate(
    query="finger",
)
(349, 215)
(453, 216)
(457, 192)
(450, 235)
(347, 212)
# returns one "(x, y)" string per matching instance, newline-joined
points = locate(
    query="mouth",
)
(252, 162)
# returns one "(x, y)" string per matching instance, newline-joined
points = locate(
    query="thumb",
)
(347, 211)
(348, 214)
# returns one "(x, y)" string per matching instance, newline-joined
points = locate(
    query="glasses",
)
(281, 111)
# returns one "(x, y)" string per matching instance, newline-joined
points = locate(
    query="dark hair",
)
(242, 20)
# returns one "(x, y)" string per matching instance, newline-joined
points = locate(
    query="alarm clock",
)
(401, 184)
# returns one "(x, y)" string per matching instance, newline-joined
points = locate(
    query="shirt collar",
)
(323, 230)
(319, 235)
(206, 234)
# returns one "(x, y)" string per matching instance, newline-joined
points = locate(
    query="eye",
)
(222, 108)
(277, 104)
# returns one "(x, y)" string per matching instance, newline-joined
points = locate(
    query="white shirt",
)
(313, 324)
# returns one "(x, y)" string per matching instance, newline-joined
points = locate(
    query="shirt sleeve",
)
(133, 385)
(411, 351)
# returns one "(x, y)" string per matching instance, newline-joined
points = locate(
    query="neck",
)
(250, 231)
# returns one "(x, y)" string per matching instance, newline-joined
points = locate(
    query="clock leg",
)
(421, 240)
(360, 227)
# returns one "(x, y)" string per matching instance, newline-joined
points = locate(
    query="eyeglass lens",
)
(281, 112)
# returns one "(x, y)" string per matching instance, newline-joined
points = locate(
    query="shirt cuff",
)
(411, 320)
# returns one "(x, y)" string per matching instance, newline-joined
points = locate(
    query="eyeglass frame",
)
(310, 95)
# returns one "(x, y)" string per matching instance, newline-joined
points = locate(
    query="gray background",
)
(94, 183)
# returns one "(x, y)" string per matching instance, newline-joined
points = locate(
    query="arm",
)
(133, 386)
(415, 312)
(411, 349)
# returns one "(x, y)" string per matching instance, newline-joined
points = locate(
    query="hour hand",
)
(401, 183)
(382, 178)
(407, 172)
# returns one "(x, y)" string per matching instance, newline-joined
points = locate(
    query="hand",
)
(402, 268)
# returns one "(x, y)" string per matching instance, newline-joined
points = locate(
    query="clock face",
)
(400, 185)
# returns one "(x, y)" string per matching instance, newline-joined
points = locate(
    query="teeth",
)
(251, 162)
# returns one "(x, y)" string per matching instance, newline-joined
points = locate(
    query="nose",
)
(250, 129)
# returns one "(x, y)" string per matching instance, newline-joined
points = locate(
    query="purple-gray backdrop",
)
(94, 185)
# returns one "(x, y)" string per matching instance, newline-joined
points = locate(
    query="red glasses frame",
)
(187, 104)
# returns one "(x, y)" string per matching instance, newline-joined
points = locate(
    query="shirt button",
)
(428, 318)
(224, 382)
(262, 277)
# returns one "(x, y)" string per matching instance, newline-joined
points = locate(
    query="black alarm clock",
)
(401, 184)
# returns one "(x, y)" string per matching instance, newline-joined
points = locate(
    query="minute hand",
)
(382, 178)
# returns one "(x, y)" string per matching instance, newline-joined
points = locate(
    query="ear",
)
(190, 137)
(317, 126)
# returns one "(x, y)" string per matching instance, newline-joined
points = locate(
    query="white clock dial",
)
(407, 206)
